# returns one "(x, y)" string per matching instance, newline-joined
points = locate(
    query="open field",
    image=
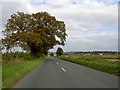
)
(15, 69)
(107, 63)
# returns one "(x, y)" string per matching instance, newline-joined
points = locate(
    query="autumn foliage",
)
(35, 33)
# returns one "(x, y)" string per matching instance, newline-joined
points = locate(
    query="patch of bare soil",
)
(113, 60)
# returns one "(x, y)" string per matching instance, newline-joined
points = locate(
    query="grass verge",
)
(95, 62)
(14, 71)
(0, 76)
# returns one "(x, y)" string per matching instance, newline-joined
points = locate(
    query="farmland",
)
(104, 62)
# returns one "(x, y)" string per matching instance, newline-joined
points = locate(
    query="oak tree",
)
(36, 33)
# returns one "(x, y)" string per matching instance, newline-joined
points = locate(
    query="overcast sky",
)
(90, 24)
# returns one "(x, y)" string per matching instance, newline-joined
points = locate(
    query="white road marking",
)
(57, 63)
(63, 69)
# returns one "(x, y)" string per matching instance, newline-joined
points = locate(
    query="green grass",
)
(97, 62)
(14, 71)
(0, 76)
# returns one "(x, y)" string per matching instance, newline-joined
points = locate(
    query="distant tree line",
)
(91, 52)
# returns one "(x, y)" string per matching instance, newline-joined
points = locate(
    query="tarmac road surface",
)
(57, 73)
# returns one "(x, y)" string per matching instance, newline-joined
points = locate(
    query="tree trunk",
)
(35, 51)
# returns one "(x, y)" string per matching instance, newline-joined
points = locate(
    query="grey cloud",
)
(83, 21)
(100, 42)
(97, 41)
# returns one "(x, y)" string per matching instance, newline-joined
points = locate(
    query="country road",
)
(56, 73)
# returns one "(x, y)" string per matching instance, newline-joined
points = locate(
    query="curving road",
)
(56, 73)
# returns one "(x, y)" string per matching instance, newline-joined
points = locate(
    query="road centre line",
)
(63, 69)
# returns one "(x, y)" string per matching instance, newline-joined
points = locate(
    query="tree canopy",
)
(36, 32)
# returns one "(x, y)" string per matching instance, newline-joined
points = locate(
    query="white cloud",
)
(14, 1)
(1, 20)
(82, 18)
(8, 8)
(86, 15)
